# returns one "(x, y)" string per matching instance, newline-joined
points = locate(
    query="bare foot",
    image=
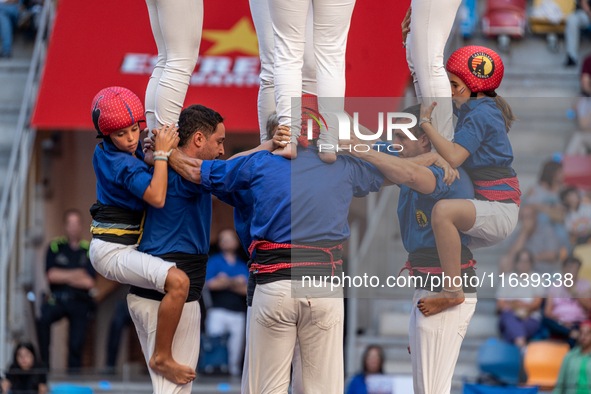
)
(432, 305)
(171, 370)
(289, 152)
(327, 157)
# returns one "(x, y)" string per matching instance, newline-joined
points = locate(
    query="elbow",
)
(159, 203)
(456, 162)
(410, 178)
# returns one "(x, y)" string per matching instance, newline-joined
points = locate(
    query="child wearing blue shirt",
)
(481, 146)
(124, 184)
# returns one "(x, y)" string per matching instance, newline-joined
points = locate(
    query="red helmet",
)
(115, 108)
(480, 68)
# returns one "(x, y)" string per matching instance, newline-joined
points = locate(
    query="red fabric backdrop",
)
(100, 43)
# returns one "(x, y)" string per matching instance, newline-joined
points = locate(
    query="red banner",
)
(96, 44)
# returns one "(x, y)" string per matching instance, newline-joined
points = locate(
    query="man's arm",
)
(187, 167)
(401, 171)
(280, 139)
(77, 277)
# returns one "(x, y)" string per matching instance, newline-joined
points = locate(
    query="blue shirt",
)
(121, 178)
(304, 200)
(414, 209)
(217, 263)
(183, 225)
(243, 204)
(481, 130)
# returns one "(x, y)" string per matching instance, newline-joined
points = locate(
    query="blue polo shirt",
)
(414, 209)
(304, 200)
(183, 225)
(121, 178)
(243, 204)
(481, 130)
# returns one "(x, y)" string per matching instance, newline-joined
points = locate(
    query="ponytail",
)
(504, 107)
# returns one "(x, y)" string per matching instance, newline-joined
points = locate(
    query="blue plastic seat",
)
(500, 359)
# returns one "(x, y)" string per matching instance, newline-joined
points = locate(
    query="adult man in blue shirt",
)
(435, 340)
(180, 232)
(298, 226)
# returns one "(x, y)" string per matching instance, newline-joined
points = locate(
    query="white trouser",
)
(575, 22)
(124, 264)
(277, 320)
(297, 386)
(261, 17)
(430, 26)
(332, 19)
(220, 321)
(176, 26)
(495, 221)
(185, 344)
(435, 343)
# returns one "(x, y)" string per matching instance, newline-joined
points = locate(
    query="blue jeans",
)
(8, 20)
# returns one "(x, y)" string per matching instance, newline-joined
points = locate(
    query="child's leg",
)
(447, 218)
(426, 49)
(169, 314)
(150, 102)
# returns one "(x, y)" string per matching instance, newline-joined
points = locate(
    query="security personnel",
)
(71, 277)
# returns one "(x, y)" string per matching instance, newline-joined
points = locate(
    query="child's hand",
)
(450, 173)
(166, 138)
(406, 25)
(282, 137)
(426, 111)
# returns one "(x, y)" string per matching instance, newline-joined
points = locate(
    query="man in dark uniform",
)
(71, 277)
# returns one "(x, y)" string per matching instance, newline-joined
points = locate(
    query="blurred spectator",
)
(545, 198)
(9, 12)
(519, 307)
(575, 371)
(226, 280)
(26, 375)
(538, 238)
(567, 306)
(70, 276)
(578, 216)
(577, 21)
(121, 319)
(373, 362)
(545, 195)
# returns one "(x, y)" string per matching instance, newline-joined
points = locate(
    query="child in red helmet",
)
(124, 184)
(481, 146)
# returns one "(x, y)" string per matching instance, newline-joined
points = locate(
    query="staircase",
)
(13, 78)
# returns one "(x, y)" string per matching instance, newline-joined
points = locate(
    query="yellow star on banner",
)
(240, 38)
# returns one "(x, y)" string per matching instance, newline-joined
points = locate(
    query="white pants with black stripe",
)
(185, 344)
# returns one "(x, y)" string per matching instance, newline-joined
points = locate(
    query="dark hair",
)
(571, 260)
(196, 118)
(529, 255)
(504, 107)
(366, 353)
(416, 111)
(29, 347)
(549, 171)
(566, 192)
(69, 212)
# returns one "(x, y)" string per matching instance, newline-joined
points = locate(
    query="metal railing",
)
(18, 168)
